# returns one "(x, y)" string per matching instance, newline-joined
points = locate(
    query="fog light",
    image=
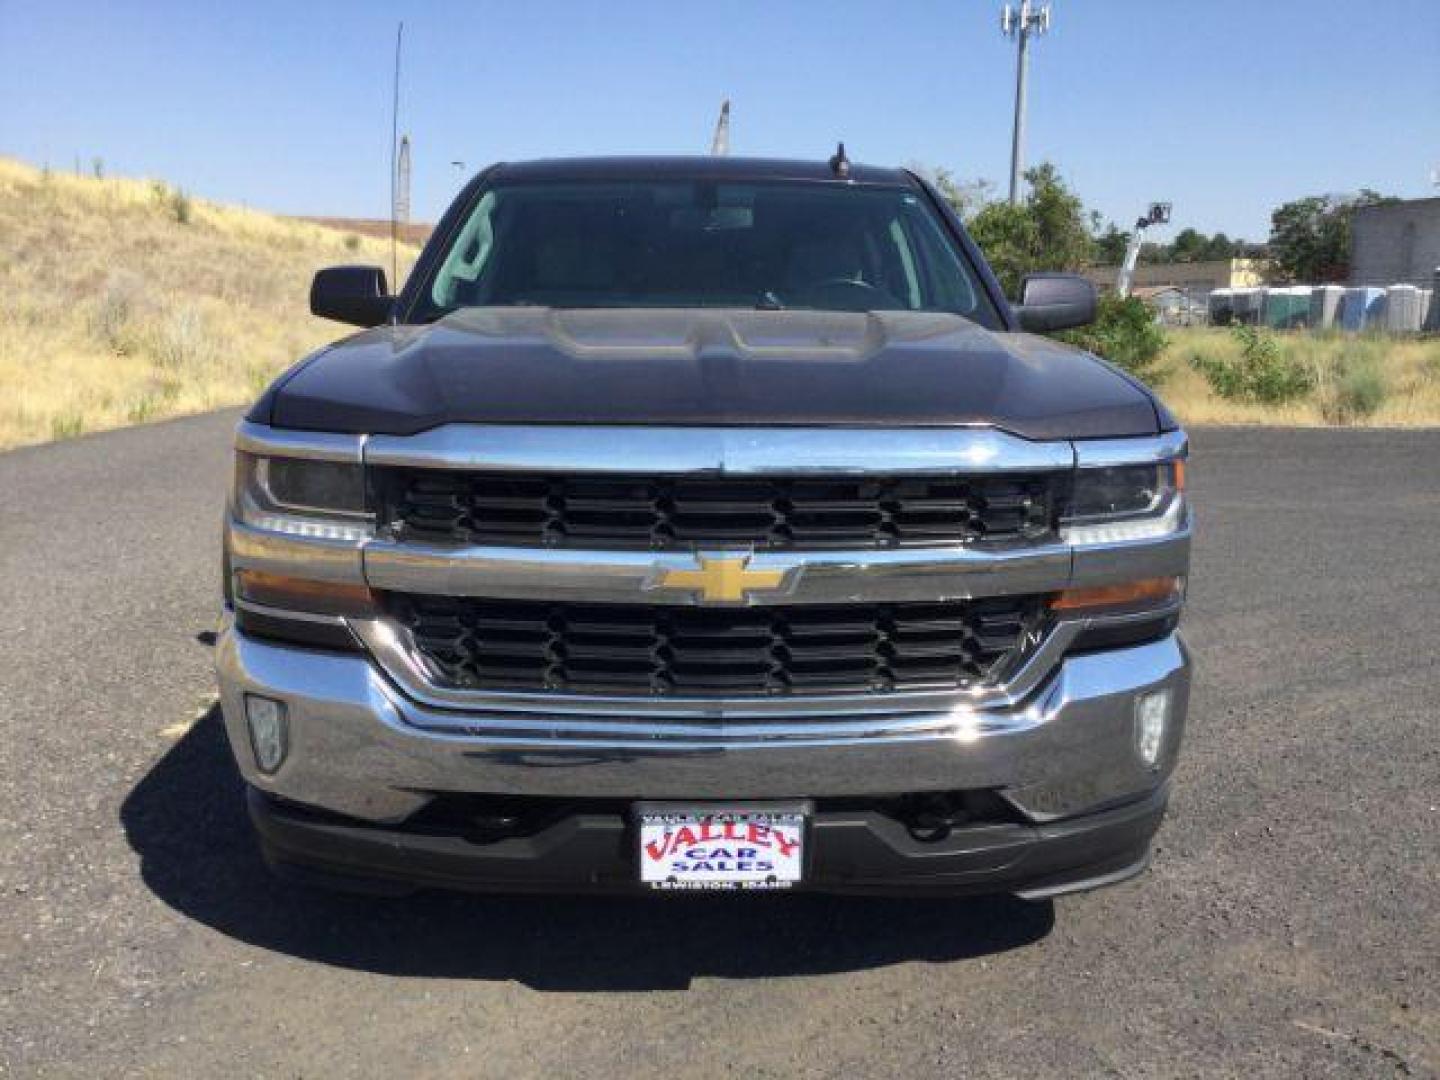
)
(268, 737)
(1152, 717)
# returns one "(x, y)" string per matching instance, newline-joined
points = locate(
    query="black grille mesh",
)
(660, 513)
(643, 650)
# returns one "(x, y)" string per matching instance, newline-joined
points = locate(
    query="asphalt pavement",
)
(1290, 925)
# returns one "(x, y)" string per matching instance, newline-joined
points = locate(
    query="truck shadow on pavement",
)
(186, 820)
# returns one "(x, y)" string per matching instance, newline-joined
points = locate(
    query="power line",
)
(1020, 24)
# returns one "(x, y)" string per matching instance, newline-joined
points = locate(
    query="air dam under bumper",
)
(848, 851)
(1065, 759)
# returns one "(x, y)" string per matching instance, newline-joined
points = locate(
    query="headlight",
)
(1124, 502)
(324, 500)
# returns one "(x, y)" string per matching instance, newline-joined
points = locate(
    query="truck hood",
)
(706, 367)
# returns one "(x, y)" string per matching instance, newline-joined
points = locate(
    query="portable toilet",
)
(1375, 309)
(1249, 306)
(1277, 304)
(1402, 309)
(1300, 305)
(1362, 308)
(1238, 304)
(1325, 305)
(1255, 306)
(1221, 304)
(1287, 308)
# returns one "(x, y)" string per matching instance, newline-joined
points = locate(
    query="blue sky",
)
(1224, 107)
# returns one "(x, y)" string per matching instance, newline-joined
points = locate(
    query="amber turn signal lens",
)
(1179, 473)
(303, 594)
(1146, 591)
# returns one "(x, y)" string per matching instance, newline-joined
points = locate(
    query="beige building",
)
(1395, 243)
(1200, 277)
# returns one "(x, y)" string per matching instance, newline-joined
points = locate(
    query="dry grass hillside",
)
(126, 301)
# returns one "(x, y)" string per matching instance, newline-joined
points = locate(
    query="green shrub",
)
(1263, 372)
(1125, 333)
(1356, 388)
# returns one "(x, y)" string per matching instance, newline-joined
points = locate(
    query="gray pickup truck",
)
(705, 523)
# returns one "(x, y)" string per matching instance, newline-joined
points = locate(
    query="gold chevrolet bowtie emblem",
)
(721, 579)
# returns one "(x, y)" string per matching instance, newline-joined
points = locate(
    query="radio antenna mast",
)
(394, 164)
(1021, 22)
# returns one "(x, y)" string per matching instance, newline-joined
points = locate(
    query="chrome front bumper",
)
(360, 747)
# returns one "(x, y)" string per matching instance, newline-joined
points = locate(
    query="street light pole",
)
(1020, 24)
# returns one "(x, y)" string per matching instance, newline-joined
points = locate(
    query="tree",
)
(1050, 230)
(1008, 236)
(1221, 247)
(1045, 232)
(1310, 237)
(1189, 246)
(1110, 246)
(1060, 218)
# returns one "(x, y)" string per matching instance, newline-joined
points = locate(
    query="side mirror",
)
(1055, 302)
(351, 294)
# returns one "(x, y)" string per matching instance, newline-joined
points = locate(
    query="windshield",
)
(769, 245)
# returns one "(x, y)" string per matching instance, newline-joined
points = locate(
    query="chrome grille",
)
(682, 513)
(730, 652)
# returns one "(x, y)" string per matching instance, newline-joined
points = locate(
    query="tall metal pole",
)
(1020, 25)
(394, 164)
(1022, 72)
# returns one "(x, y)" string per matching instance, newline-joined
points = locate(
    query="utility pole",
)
(1020, 23)
(394, 163)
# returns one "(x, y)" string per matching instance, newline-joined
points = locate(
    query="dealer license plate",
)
(696, 849)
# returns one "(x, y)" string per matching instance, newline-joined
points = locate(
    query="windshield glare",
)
(775, 245)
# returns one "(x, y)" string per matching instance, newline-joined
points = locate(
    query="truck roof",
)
(697, 167)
